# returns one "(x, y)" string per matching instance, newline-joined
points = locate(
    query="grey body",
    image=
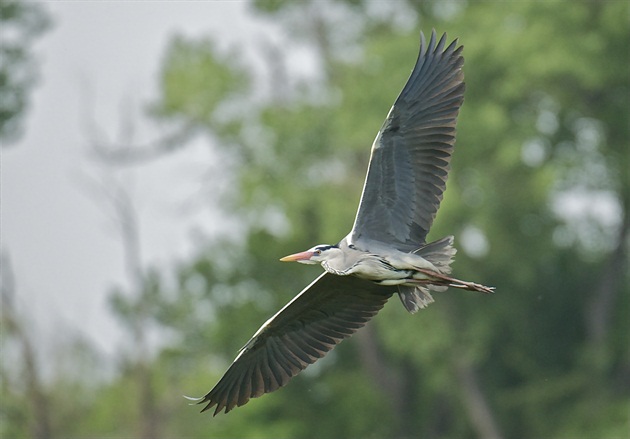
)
(413, 272)
(386, 250)
(385, 266)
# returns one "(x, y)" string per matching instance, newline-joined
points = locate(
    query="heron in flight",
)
(386, 250)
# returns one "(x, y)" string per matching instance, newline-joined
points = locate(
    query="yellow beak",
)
(297, 257)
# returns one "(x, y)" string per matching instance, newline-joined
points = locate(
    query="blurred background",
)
(159, 157)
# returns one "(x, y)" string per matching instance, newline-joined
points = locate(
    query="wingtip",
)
(434, 42)
(436, 45)
(208, 407)
(193, 400)
(203, 400)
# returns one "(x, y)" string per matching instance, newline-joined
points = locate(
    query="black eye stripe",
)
(322, 248)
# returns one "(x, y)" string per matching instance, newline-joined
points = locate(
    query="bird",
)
(385, 252)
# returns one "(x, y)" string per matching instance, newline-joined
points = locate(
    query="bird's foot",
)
(455, 283)
(471, 286)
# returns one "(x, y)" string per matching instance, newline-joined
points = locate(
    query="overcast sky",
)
(63, 247)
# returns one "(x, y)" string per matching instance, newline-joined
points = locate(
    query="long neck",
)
(335, 268)
(341, 261)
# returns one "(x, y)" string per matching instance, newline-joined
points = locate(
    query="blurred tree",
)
(543, 126)
(538, 200)
(20, 387)
(20, 24)
(133, 305)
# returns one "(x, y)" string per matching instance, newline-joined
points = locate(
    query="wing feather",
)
(411, 154)
(326, 312)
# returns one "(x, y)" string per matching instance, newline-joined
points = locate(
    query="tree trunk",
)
(475, 403)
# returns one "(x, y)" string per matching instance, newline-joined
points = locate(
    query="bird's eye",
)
(317, 252)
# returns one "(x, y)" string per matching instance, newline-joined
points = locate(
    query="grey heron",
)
(386, 250)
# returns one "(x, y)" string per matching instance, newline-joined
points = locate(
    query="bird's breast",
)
(337, 269)
(379, 270)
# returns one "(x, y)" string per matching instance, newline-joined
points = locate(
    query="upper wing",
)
(330, 309)
(412, 151)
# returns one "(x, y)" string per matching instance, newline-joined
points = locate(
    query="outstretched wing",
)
(329, 310)
(412, 151)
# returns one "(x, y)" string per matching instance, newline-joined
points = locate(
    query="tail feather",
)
(440, 253)
(414, 298)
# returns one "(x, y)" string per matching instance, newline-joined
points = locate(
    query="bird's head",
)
(315, 255)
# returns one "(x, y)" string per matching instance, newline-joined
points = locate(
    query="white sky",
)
(63, 248)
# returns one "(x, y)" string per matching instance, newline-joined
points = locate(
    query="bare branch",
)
(122, 153)
(599, 309)
(475, 402)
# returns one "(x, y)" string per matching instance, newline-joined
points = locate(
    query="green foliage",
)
(529, 86)
(545, 117)
(20, 24)
(200, 83)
